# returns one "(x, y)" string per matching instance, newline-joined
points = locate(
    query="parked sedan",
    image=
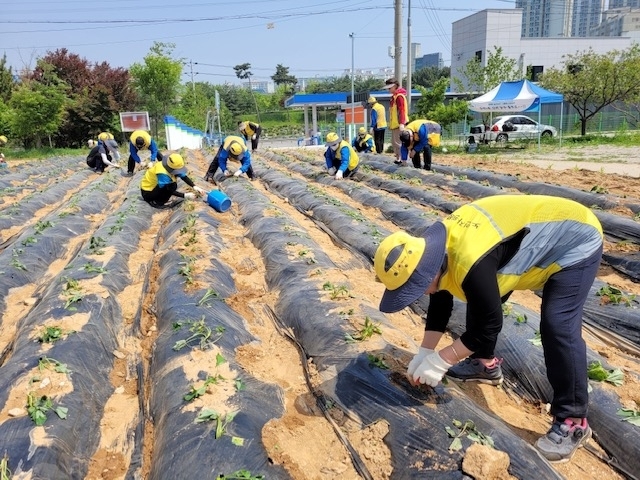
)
(518, 127)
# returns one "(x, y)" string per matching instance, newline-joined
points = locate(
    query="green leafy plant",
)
(222, 421)
(29, 241)
(241, 475)
(210, 294)
(599, 189)
(96, 245)
(46, 363)
(629, 415)
(239, 384)
(41, 226)
(198, 392)
(521, 318)
(186, 269)
(50, 334)
(377, 361)
(468, 429)
(200, 332)
(5, 473)
(16, 263)
(368, 329)
(337, 291)
(73, 292)
(91, 268)
(611, 294)
(595, 371)
(37, 407)
(537, 339)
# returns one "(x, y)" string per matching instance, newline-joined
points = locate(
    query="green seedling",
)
(91, 268)
(397, 176)
(376, 361)
(51, 334)
(198, 392)
(367, 331)
(37, 407)
(222, 421)
(190, 222)
(16, 263)
(345, 315)
(41, 226)
(239, 384)
(210, 294)
(193, 238)
(29, 241)
(521, 318)
(96, 245)
(629, 415)
(200, 332)
(241, 475)
(613, 295)
(59, 367)
(220, 359)
(415, 181)
(507, 309)
(5, 473)
(595, 371)
(599, 189)
(73, 292)
(337, 291)
(186, 270)
(353, 214)
(537, 339)
(469, 429)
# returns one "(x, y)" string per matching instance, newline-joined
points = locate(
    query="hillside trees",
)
(590, 81)
(157, 80)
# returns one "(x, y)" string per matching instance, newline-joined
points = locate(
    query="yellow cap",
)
(332, 138)
(372, 99)
(3, 140)
(235, 149)
(362, 131)
(103, 136)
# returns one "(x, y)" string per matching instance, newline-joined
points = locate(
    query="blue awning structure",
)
(520, 96)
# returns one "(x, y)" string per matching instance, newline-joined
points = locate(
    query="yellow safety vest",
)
(432, 137)
(560, 233)
(353, 156)
(150, 179)
(382, 116)
(393, 111)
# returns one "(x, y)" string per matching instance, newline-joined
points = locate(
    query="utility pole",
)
(193, 85)
(397, 40)
(353, 108)
(409, 58)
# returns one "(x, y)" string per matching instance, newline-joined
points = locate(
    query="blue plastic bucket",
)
(219, 201)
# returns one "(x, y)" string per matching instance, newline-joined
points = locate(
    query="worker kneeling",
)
(159, 182)
(341, 159)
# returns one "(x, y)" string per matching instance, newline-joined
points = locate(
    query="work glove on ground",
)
(332, 171)
(238, 173)
(227, 173)
(200, 191)
(190, 196)
(339, 174)
(417, 360)
(431, 370)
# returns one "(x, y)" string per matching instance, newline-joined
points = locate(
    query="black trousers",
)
(131, 165)
(254, 143)
(96, 162)
(378, 140)
(159, 195)
(427, 158)
(215, 164)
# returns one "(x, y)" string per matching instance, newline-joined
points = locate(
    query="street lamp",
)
(353, 118)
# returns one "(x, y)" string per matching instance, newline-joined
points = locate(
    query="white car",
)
(518, 127)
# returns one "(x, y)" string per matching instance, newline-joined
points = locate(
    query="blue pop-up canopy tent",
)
(518, 96)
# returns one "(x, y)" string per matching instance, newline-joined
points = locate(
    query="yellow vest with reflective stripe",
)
(560, 233)
(353, 156)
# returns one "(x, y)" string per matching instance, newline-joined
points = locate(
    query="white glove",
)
(144, 165)
(417, 360)
(190, 196)
(200, 191)
(253, 137)
(150, 164)
(332, 171)
(339, 174)
(227, 173)
(431, 370)
(238, 173)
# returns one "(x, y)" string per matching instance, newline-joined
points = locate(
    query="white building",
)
(619, 22)
(477, 35)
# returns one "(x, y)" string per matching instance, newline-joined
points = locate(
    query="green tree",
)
(481, 78)
(283, 77)
(6, 80)
(38, 111)
(431, 105)
(590, 81)
(343, 84)
(243, 72)
(428, 76)
(158, 80)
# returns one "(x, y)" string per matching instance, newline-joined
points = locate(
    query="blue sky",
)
(311, 37)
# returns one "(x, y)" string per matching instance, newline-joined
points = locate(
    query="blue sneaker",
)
(563, 439)
(472, 370)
